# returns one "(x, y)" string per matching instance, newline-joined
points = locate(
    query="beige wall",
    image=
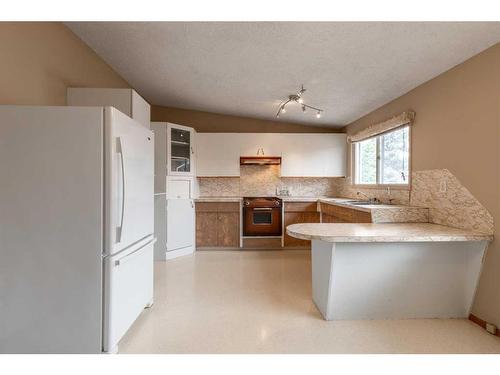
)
(457, 127)
(39, 60)
(207, 122)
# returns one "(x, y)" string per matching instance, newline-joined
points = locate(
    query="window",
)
(384, 159)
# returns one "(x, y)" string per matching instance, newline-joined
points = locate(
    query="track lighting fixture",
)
(297, 98)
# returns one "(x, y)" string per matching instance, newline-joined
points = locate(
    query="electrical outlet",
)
(491, 328)
(443, 186)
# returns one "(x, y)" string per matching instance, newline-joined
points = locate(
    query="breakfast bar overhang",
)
(393, 271)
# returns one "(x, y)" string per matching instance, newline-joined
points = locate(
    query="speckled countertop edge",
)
(327, 200)
(218, 199)
(394, 232)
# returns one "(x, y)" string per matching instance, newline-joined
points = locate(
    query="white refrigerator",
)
(76, 228)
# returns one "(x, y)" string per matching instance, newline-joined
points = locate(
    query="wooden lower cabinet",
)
(297, 213)
(206, 229)
(326, 218)
(336, 214)
(217, 224)
(362, 217)
(228, 229)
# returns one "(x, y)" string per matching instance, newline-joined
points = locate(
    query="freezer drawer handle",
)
(127, 257)
(119, 229)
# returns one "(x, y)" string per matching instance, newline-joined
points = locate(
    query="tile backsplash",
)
(345, 189)
(256, 180)
(219, 186)
(449, 202)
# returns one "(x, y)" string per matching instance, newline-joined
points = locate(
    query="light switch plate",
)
(442, 186)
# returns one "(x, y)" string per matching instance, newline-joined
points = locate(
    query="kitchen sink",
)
(362, 203)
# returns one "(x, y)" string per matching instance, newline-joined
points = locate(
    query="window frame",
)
(378, 185)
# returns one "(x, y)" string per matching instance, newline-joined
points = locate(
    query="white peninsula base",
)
(395, 280)
(393, 271)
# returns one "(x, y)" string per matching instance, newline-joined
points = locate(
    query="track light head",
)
(297, 98)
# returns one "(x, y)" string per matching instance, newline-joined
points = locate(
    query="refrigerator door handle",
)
(119, 229)
(127, 257)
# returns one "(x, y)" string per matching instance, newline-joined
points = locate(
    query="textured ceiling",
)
(247, 69)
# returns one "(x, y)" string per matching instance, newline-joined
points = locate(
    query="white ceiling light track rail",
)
(297, 98)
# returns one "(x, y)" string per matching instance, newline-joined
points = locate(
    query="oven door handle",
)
(262, 209)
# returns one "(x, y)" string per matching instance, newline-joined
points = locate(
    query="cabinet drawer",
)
(179, 189)
(301, 207)
(206, 206)
(217, 207)
(228, 207)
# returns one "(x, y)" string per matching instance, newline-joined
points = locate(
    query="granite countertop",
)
(238, 199)
(363, 207)
(394, 232)
(301, 199)
(218, 199)
(381, 213)
(385, 213)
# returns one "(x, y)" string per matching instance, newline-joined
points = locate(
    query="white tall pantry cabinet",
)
(175, 190)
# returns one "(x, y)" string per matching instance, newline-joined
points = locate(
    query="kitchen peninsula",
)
(393, 271)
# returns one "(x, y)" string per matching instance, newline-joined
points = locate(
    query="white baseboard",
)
(179, 252)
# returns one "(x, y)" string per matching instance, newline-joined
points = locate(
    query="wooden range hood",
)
(260, 160)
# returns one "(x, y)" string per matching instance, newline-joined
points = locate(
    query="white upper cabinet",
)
(218, 154)
(313, 155)
(181, 145)
(303, 155)
(126, 101)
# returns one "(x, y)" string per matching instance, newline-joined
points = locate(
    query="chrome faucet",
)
(389, 199)
(371, 200)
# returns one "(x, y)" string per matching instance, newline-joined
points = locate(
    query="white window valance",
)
(403, 119)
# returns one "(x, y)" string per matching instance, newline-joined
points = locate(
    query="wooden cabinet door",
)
(362, 217)
(292, 218)
(325, 218)
(206, 229)
(228, 229)
(296, 218)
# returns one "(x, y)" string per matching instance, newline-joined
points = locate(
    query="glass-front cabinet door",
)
(181, 150)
